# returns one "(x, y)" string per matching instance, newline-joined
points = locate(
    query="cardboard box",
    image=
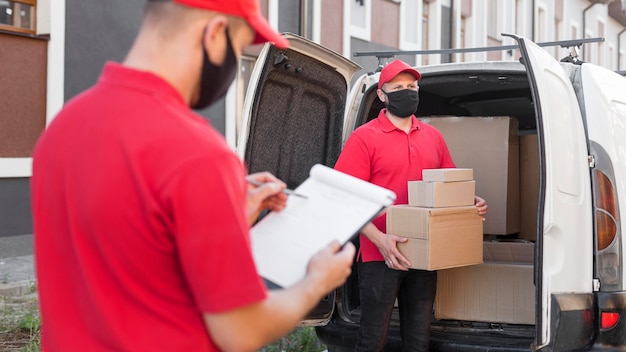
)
(490, 146)
(441, 194)
(522, 252)
(489, 292)
(529, 186)
(447, 175)
(438, 237)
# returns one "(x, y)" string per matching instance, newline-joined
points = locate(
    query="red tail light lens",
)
(609, 320)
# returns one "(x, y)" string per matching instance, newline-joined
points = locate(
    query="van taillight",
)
(607, 232)
(606, 210)
(609, 320)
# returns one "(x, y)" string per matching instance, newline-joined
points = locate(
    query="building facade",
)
(52, 50)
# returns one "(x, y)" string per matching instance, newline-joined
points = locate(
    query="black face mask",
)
(216, 80)
(402, 103)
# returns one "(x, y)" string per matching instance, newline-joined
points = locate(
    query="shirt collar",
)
(118, 74)
(387, 126)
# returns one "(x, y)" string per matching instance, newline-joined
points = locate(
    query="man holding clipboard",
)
(142, 211)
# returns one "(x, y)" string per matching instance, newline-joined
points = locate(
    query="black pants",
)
(379, 287)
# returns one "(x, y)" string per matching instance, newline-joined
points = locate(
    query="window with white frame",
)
(519, 17)
(445, 30)
(425, 32)
(541, 25)
(493, 24)
(463, 36)
(557, 29)
(601, 46)
(410, 14)
(360, 18)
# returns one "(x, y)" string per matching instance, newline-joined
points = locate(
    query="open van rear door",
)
(564, 249)
(293, 116)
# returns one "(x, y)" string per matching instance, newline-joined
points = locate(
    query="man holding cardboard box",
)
(389, 151)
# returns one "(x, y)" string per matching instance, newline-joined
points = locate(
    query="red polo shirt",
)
(381, 153)
(140, 221)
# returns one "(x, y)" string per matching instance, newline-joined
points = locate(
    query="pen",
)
(286, 191)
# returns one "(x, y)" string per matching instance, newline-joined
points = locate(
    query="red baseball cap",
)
(249, 10)
(393, 69)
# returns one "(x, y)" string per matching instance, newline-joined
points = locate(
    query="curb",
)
(19, 288)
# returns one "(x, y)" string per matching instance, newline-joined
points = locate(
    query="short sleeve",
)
(354, 158)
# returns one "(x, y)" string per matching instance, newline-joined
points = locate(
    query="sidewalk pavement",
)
(17, 275)
(17, 266)
(17, 269)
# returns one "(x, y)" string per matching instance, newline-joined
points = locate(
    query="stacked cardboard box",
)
(443, 188)
(441, 223)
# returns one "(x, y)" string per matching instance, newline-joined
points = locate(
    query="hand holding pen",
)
(287, 191)
(265, 192)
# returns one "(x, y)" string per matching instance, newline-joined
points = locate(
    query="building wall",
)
(96, 32)
(22, 119)
(332, 28)
(385, 28)
(24, 88)
(23, 92)
(15, 215)
(289, 16)
(100, 31)
(539, 20)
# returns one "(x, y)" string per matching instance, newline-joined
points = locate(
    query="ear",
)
(214, 39)
(381, 95)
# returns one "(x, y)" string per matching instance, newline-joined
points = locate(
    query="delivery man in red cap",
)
(142, 211)
(389, 151)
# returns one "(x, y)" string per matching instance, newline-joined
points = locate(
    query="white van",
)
(301, 111)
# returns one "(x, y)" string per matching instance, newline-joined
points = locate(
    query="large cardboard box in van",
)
(490, 146)
(501, 290)
(438, 237)
(521, 251)
(441, 194)
(496, 292)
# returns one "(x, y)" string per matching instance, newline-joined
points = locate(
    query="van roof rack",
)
(573, 43)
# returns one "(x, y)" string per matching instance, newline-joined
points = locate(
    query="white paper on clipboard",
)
(336, 207)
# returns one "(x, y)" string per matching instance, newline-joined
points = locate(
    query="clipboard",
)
(337, 206)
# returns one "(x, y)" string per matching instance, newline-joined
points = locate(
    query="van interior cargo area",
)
(466, 95)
